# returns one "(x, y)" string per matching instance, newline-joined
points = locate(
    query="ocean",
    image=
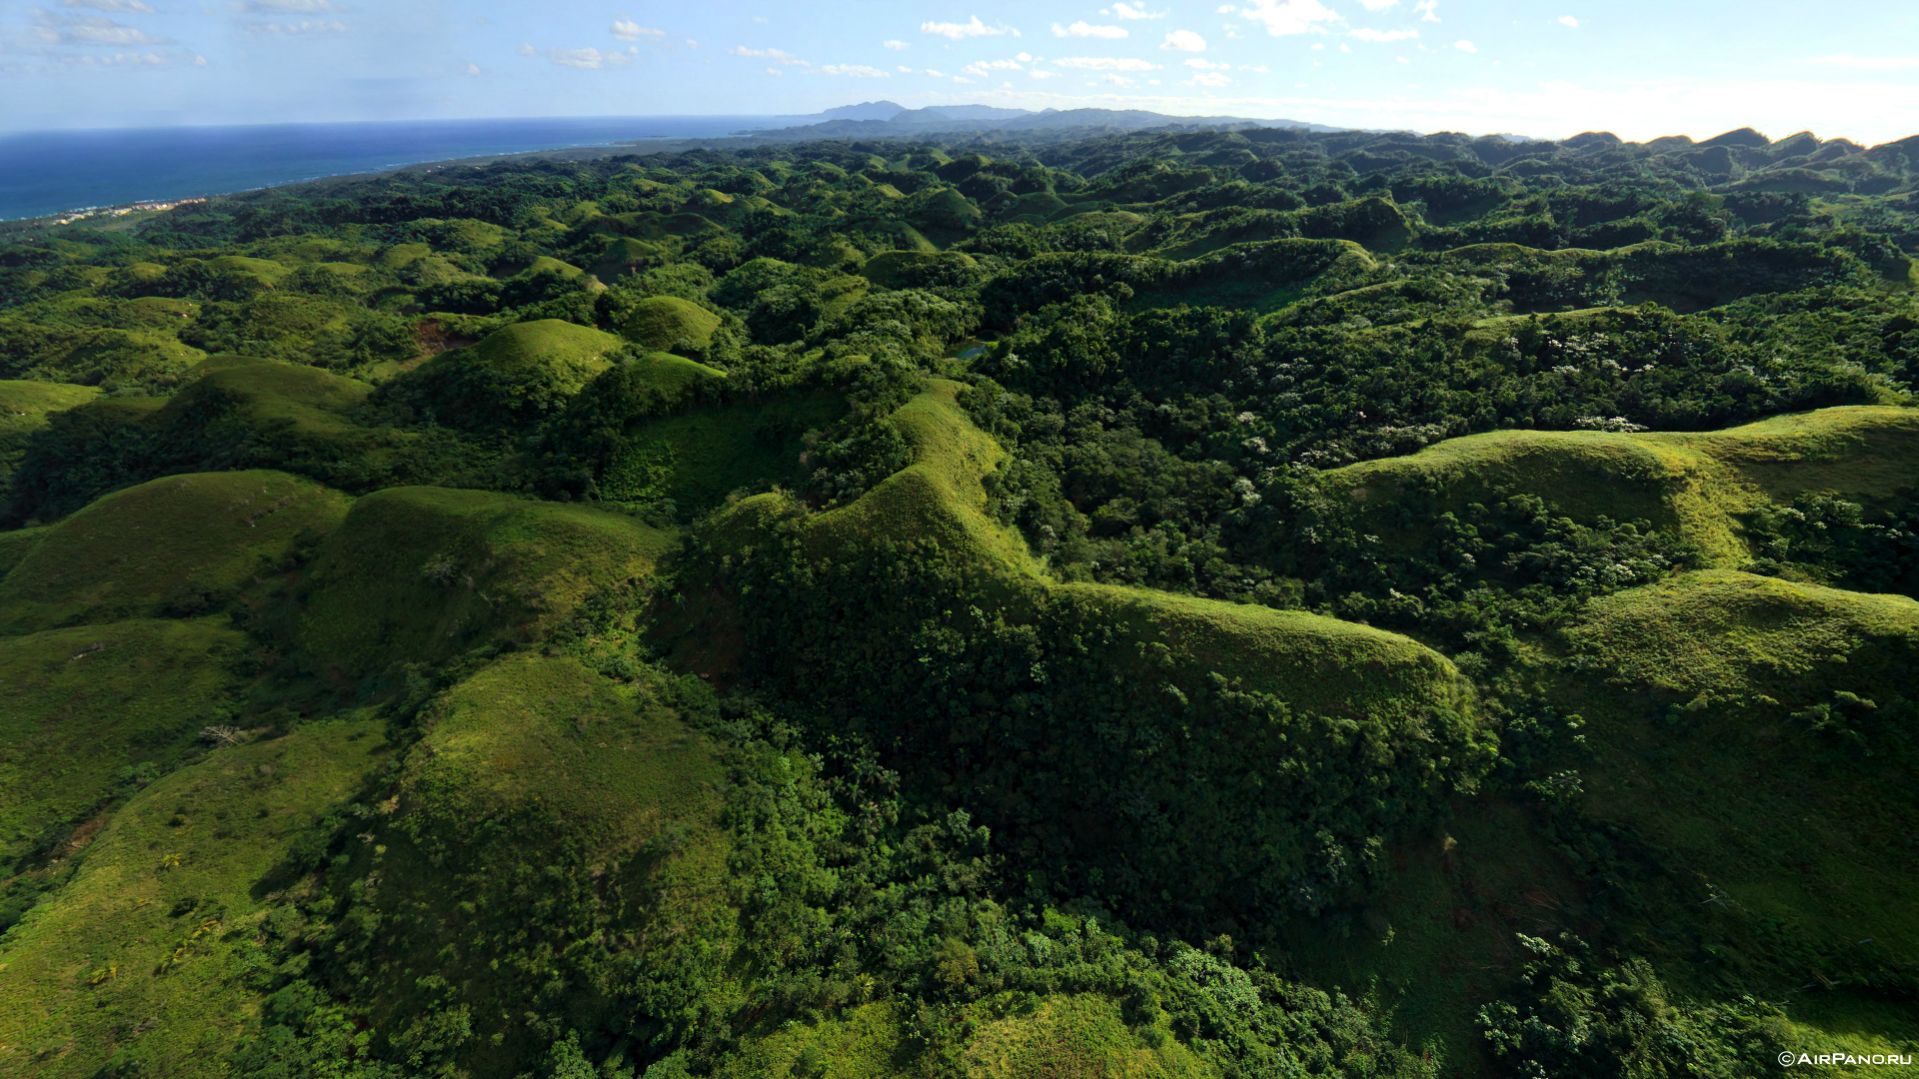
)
(50, 172)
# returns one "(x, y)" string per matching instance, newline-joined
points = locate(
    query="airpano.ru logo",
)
(1790, 1059)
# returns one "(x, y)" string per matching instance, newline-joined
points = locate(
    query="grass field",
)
(537, 752)
(85, 705)
(141, 963)
(1696, 484)
(1756, 734)
(24, 406)
(420, 574)
(670, 324)
(176, 543)
(698, 457)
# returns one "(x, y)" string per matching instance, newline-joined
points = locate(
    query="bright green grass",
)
(896, 269)
(176, 541)
(671, 375)
(142, 960)
(24, 407)
(1808, 837)
(854, 1043)
(547, 264)
(1072, 1036)
(1011, 1037)
(84, 703)
(563, 349)
(420, 574)
(24, 403)
(697, 458)
(1309, 660)
(15, 545)
(1697, 484)
(528, 367)
(604, 778)
(268, 392)
(1319, 662)
(610, 762)
(670, 324)
(266, 271)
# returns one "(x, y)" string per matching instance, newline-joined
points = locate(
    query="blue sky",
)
(1641, 68)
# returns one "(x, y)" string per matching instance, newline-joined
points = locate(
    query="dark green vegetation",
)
(1227, 604)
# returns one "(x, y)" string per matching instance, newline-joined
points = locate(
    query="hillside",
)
(970, 593)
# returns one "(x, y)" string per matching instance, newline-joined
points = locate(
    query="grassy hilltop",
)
(1227, 603)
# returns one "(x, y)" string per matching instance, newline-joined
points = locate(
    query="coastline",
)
(81, 212)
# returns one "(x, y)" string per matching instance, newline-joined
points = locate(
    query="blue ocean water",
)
(48, 172)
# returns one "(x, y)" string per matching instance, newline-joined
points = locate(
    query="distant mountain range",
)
(887, 119)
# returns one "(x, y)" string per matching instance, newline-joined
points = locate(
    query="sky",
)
(1549, 68)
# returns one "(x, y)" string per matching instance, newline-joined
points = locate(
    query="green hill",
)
(525, 370)
(1733, 717)
(421, 574)
(605, 780)
(24, 406)
(145, 960)
(1257, 685)
(178, 544)
(670, 324)
(971, 594)
(92, 706)
(1697, 484)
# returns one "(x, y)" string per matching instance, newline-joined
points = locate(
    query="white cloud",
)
(1465, 46)
(933, 73)
(1209, 78)
(587, 59)
(628, 30)
(1184, 41)
(54, 29)
(895, 44)
(778, 56)
(904, 70)
(1042, 73)
(1367, 33)
(1377, 5)
(1569, 20)
(527, 49)
(287, 7)
(1849, 62)
(1128, 11)
(855, 71)
(473, 69)
(1428, 10)
(298, 28)
(1082, 28)
(1283, 18)
(112, 5)
(1106, 63)
(973, 27)
(113, 59)
(983, 69)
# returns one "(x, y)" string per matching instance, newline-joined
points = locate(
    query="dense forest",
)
(1231, 603)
